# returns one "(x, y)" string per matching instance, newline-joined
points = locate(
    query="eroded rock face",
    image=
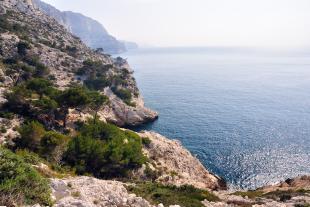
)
(122, 115)
(178, 165)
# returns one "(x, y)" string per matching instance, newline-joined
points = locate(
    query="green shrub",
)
(31, 135)
(186, 196)
(22, 48)
(40, 69)
(45, 104)
(146, 141)
(252, 194)
(29, 157)
(105, 150)
(48, 144)
(20, 183)
(53, 146)
(125, 95)
(3, 129)
(40, 86)
(302, 205)
(74, 97)
(97, 83)
(6, 115)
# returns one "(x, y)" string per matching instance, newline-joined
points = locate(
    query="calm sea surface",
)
(244, 114)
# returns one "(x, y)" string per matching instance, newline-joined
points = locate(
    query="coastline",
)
(163, 169)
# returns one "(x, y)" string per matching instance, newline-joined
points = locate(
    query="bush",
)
(252, 194)
(86, 155)
(49, 144)
(45, 104)
(105, 151)
(146, 141)
(20, 183)
(171, 195)
(124, 94)
(17, 102)
(40, 69)
(6, 115)
(53, 146)
(97, 83)
(29, 157)
(40, 86)
(3, 129)
(22, 48)
(31, 135)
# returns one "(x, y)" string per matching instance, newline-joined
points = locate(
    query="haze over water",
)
(245, 114)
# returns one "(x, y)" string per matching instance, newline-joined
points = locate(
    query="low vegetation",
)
(20, 183)
(48, 144)
(252, 194)
(186, 196)
(278, 195)
(98, 78)
(123, 94)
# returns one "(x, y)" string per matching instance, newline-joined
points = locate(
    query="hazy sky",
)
(266, 23)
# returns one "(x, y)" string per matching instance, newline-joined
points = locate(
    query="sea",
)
(244, 113)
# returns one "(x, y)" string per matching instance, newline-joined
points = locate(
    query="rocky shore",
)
(170, 155)
(168, 166)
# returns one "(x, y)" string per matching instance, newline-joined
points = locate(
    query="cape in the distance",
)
(91, 32)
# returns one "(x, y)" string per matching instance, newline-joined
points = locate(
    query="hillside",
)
(59, 145)
(71, 61)
(91, 32)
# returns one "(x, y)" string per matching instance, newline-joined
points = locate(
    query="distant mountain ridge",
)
(91, 32)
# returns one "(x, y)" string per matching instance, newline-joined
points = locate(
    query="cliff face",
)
(64, 54)
(91, 32)
(178, 166)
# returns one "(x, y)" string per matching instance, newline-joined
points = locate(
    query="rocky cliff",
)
(91, 32)
(169, 174)
(65, 54)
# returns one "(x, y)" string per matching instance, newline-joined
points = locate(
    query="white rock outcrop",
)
(87, 191)
(91, 192)
(178, 165)
(121, 114)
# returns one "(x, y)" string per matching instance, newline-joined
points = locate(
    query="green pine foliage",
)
(48, 144)
(104, 150)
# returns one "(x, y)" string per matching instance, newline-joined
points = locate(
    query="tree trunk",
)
(66, 112)
(95, 117)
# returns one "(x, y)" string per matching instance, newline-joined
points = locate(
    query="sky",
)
(228, 23)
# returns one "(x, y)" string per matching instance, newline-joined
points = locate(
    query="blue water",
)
(244, 114)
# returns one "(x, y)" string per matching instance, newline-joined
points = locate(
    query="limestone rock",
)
(179, 166)
(88, 192)
(302, 182)
(122, 114)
